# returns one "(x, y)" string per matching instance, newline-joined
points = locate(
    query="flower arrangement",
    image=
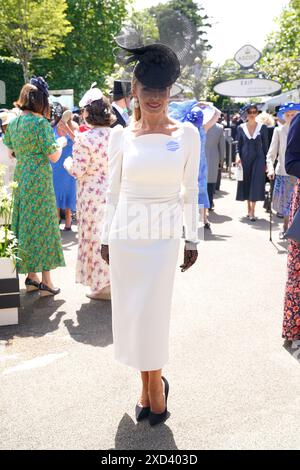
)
(8, 240)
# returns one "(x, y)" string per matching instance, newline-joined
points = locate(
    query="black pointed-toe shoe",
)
(31, 285)
(141, 412)
(156, 418)
(46, 290)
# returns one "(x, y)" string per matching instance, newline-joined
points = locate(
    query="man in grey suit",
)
(215, 153)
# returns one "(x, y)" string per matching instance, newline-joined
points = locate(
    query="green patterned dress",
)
(34, 216)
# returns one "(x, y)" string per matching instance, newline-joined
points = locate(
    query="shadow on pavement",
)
(68, 240)
(293, 347)
(219, 194)
(280, 245)
(210, 236)
(140, 436)
(260, 224)
(36, 317)
(94, 325)
(215, 218)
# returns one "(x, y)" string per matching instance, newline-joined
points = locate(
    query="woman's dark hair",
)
(252, 106)
(76, 118)
(99, 113)
(33, 99)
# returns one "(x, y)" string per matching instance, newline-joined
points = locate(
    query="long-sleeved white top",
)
(152, 185)
(277, 150)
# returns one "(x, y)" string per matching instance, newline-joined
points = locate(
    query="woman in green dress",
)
(31, 139)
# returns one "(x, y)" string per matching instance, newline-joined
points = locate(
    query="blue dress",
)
(189, 111)
(64, 184)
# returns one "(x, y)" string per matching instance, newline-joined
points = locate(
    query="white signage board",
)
(2, 92)
(247, 87)
(247, 56)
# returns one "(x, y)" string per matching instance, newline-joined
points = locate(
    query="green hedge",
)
(12, 75)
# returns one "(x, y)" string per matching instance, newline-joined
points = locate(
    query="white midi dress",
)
(152, 193)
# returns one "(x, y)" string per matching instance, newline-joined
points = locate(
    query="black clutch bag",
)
(293, 232)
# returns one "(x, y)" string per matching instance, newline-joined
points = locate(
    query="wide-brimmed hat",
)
(121, 89)
(93, 94)
(287, 107)
(156, 65)
(6, 117)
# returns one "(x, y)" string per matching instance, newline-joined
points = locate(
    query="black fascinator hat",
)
(156, 65)
(41, 84)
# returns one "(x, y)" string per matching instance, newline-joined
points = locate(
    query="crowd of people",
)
(132, 200)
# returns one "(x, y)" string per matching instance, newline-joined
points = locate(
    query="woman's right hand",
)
(270, 175)
(105, 253)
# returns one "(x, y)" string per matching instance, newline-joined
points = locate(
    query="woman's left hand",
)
(190, 258)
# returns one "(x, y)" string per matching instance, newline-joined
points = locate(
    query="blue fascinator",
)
(41, 84)
(195, 116)
(187, 111)
(287, 107)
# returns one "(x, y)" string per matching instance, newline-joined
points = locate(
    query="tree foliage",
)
(182, 24)
(88, 55)
(31, 29)
(11, 74)
(280, 58)
(141, 28)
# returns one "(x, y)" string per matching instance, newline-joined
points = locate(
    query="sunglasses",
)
(252, 112)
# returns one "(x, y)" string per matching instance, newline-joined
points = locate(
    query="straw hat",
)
(6, 117)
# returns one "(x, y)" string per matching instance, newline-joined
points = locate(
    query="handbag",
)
(293, 232)
(239, 174)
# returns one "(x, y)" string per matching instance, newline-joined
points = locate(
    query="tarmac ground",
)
(234, 383)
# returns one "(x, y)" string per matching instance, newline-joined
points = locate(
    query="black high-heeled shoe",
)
(156, 418)
(31, 285)
(46, 290)
(141, 412)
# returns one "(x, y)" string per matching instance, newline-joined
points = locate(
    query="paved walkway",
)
(232, 383)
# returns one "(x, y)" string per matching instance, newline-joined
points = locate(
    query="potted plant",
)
(9, 281)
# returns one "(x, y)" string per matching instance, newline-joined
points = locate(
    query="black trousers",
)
(210, 191)
(218, 183)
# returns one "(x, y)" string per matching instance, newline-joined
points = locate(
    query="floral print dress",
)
(90, 168)
(34, 220)
(291, 318)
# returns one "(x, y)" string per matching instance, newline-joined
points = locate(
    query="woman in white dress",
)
(149, 163)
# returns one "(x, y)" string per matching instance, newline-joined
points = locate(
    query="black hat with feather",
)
(156, 65)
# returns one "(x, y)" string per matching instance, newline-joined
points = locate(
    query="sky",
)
(234, 23)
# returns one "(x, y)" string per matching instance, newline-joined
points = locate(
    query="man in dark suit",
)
(121, 102)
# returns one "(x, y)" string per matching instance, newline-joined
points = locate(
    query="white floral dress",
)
(90, 168)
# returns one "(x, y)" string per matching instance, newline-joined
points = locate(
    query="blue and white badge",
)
(172, 145)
